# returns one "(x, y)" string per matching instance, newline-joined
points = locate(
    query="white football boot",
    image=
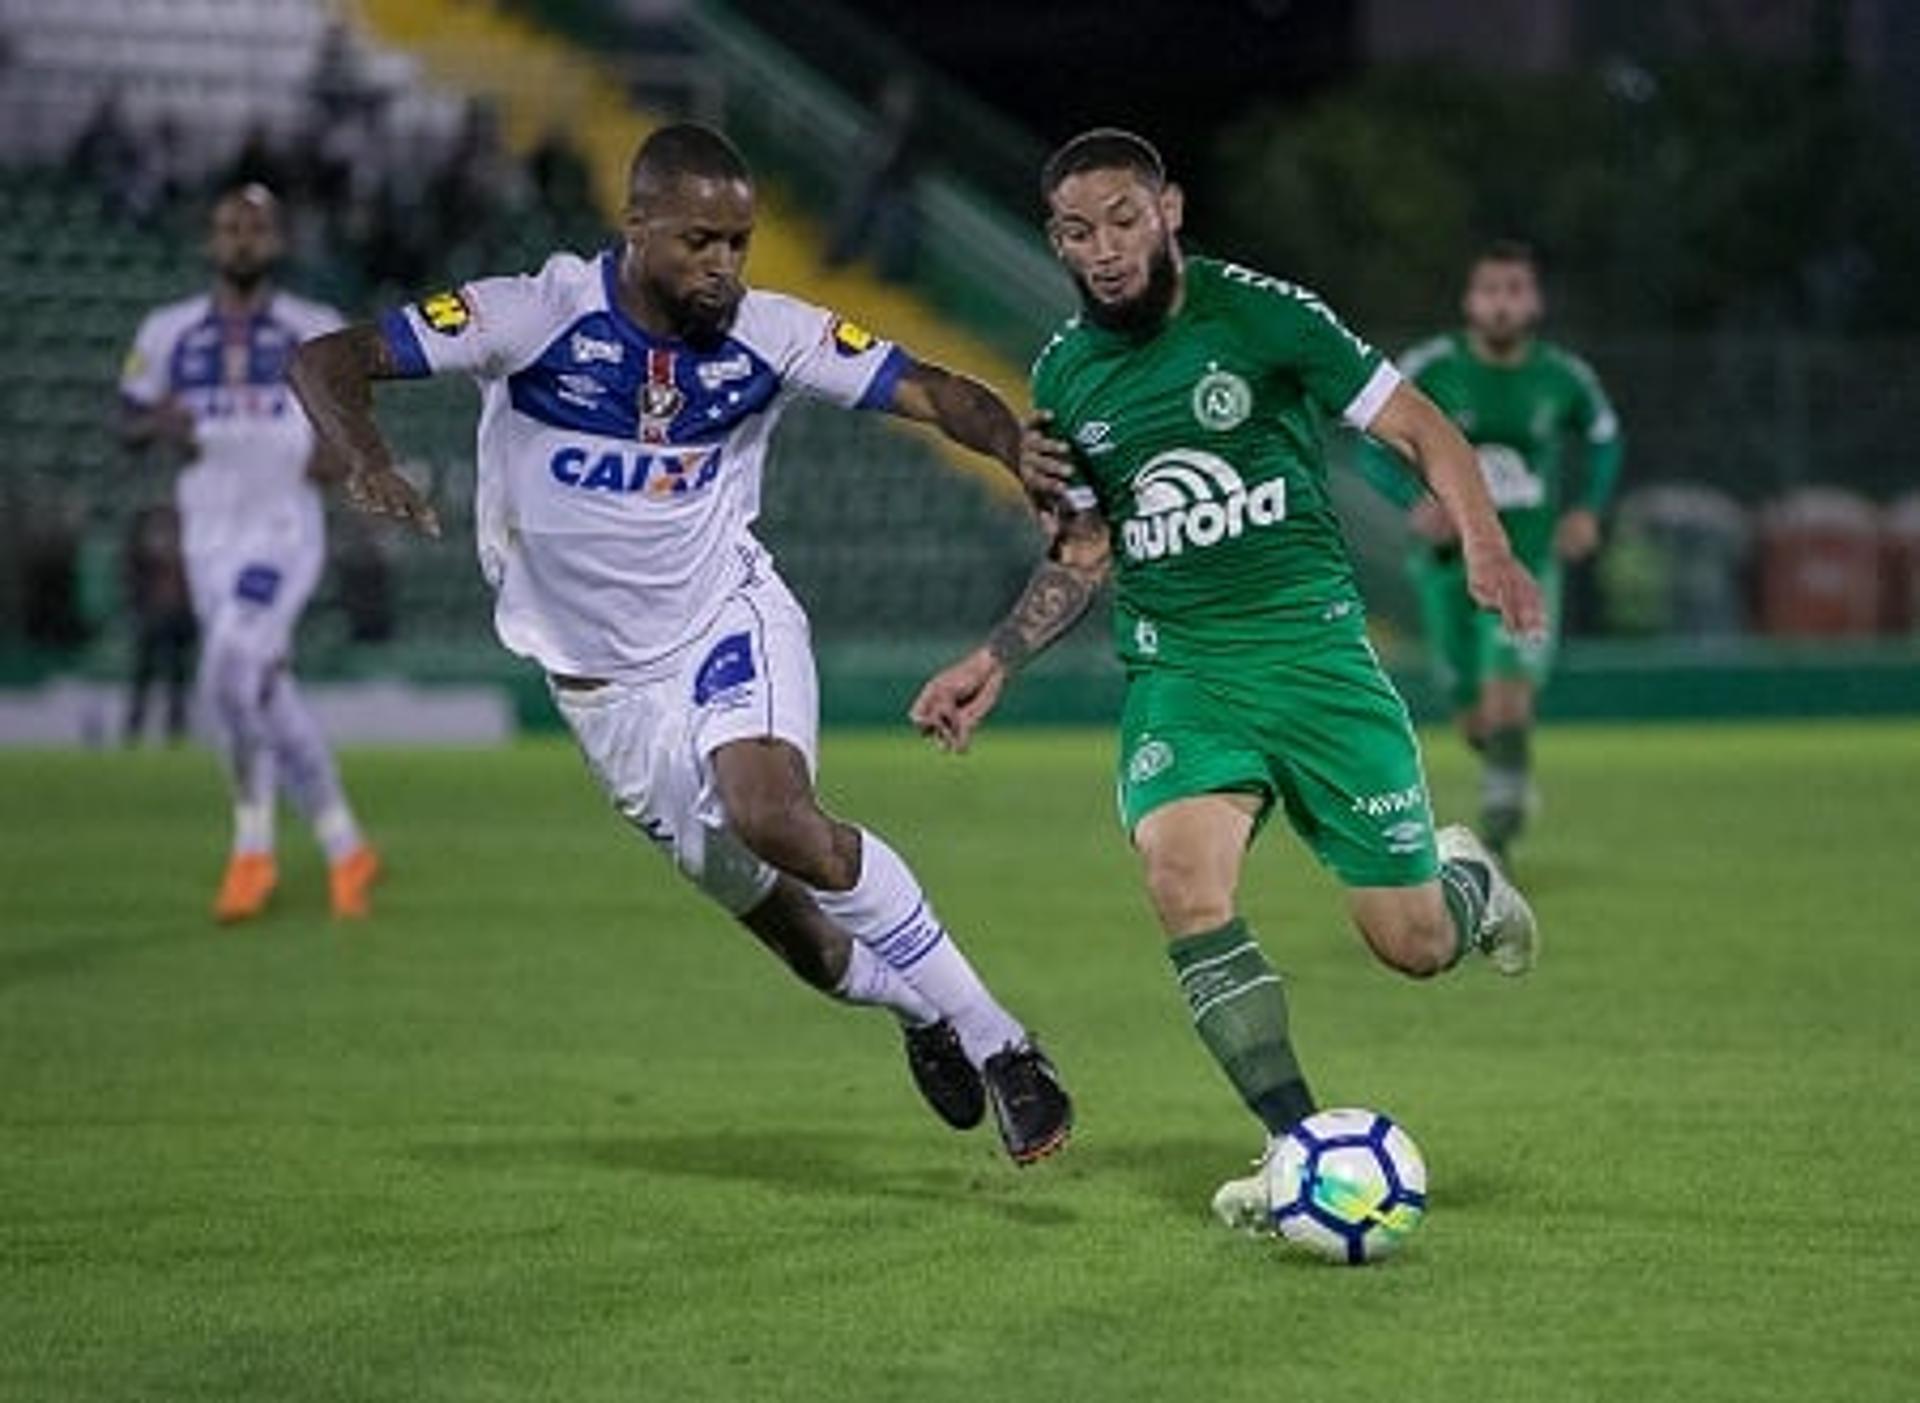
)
(1508, 935)
(1243, 1204)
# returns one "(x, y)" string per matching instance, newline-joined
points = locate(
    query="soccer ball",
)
(1348, 1185)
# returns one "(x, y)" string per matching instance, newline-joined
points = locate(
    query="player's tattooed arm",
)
(333, 377)
(956, 700)
(965, 410)
(1056, 596)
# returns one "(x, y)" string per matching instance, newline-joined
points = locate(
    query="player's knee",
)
(1412, 941)
(232, 680)
(791, 833)
(1184, 897)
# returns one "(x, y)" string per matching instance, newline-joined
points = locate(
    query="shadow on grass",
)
(83, 955)
(1183, 1173)
(804, 1163)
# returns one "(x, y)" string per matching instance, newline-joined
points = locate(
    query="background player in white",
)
(207, 376)
(627, 405)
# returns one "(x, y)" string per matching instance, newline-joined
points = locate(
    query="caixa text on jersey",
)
(652, 474)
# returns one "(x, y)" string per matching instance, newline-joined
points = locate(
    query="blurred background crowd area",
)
(1726, 196)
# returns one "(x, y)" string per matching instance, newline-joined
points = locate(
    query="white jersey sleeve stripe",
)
(1366, 405)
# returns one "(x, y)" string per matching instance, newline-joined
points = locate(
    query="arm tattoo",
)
(1054, 600)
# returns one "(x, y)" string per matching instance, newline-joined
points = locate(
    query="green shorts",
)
(1467, 644)
(1320, 731)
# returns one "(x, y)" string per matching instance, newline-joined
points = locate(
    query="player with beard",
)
(1517, 398)
(207, 378)
(1182, 414)
(628, 400)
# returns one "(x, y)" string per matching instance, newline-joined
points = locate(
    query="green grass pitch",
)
(550, 1129)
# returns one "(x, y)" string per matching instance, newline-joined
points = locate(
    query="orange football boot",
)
(350, 883)
(245, 889)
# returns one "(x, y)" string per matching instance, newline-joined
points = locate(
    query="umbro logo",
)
(1095, 437)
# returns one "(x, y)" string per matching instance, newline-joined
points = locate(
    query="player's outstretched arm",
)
(333, 377)
(973, 414)
(1413, 426)
(956, 700)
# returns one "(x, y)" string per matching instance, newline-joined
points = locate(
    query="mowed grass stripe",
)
(550, 1128)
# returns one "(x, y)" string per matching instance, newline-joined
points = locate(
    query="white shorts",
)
(650, 743)
(252, 601)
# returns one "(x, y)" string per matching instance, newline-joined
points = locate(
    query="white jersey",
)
(619, 472)
(247, 491)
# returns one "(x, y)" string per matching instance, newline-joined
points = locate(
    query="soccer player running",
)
(1181, 413)
(628, 400)
(1517, 398)
(207, 377)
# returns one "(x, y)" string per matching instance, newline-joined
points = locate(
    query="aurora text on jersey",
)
(1202, 447)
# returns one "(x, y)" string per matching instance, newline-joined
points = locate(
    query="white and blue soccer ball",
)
(1347, 1184)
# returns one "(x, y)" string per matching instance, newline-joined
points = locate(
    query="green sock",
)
(1465, 885)
(1240, 1011)
(1503, 785)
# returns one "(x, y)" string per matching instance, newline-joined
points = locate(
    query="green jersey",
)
(1518, 419)
(1203, 446)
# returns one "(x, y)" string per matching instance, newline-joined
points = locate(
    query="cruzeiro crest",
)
(1221, 400)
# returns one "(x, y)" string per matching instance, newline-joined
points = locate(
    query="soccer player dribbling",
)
(1179, 413)
(628, 400)
(207, 376)
(1517, 398)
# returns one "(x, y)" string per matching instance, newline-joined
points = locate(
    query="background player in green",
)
(1517, 398)
(1187, 406)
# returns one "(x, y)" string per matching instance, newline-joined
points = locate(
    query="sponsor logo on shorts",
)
(1411, 800)
(1187, 498)
(725, 679)
(1222, 400)
(1146, 637)
(257, 584)
(1150, 758)
(448, 312)
(1407, 836)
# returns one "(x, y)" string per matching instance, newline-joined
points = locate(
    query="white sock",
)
(339, 835)
(870, 980)
(887, 912)
(253, 826)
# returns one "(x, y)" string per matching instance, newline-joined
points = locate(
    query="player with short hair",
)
(628, 400)
(1180, 415)
(207, 377)
(1517, 398)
